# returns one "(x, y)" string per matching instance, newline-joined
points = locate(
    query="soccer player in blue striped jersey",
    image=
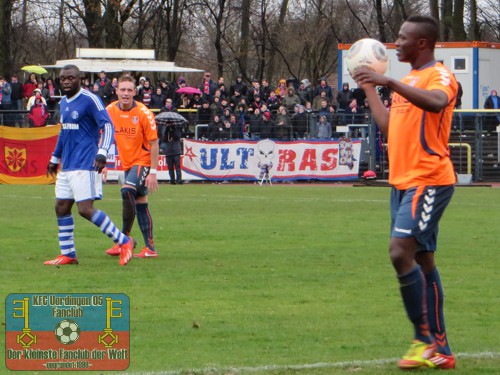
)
(80, 155)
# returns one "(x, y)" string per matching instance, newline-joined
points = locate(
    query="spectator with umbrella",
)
(171, 125)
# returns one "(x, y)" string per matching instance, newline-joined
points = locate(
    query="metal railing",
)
(475, 131)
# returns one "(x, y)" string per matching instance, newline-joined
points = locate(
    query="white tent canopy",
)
(122, 60)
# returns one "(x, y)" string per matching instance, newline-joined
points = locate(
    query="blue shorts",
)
(136, 176)
(416, 212)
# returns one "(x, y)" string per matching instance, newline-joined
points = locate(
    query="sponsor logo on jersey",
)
(125, 130)
(74, 115)
(135, 119)
(70, 126)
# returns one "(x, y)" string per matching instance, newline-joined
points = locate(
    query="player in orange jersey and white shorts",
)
(136, 138)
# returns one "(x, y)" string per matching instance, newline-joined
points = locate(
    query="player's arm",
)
(107, 137)
(368, 80)
(151, 179)
(428, 100)
(55, 159)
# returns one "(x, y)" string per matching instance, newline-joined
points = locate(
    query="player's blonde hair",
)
(126, 78)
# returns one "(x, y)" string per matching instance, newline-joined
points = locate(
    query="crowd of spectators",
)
(289, 110)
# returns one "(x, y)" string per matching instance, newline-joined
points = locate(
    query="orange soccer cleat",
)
(127, 251)
(114, 251)
(146, 253)
(61, 260)
(441, 361)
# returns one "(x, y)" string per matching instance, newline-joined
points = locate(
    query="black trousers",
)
(174, 164)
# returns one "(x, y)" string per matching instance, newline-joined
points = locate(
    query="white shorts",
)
(79, 185)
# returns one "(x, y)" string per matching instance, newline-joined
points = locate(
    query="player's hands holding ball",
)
(364, 77)
(367, 60)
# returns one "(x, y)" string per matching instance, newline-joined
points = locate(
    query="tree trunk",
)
(91, 19)
(446, 19)
(244, 33)
(219, 18)
(174, 28)
(458, 27)
(274, 39)
(380, 21)
(6, 57)
(434, 5)
(474, 25)
(113, 31)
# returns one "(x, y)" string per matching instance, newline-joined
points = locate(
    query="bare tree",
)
(457, 26)
(6, 62)
(244, 35)
(274, 33)
(434, 7)
(259, 38)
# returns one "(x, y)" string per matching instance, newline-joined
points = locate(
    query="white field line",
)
(320, 365)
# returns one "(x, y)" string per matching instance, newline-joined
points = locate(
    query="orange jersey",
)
(418, 140)
(133, 131)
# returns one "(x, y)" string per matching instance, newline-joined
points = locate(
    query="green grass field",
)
(288, 279)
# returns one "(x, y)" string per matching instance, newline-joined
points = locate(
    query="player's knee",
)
(402, 254)
(128, 194)
(85, 211)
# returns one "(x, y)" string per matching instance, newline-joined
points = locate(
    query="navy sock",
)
(146, 225)
(412, 287)
(128, 204)
(435, 301)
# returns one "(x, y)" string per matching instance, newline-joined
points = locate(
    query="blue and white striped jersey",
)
(86, 129)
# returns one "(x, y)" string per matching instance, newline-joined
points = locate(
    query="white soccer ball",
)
(367, 52)
(67, 331)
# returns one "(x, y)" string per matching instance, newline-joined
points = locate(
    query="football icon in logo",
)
(67, 332)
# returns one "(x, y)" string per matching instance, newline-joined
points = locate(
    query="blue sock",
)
(66, 227)
(435, 299)
(146, 225)
(412, 287)
(107, 227)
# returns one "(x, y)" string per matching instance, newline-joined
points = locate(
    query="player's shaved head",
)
(428, 28)
(72, 67)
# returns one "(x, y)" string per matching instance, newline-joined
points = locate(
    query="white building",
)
(476, 66)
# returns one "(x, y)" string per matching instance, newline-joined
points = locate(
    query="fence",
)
(474, 140)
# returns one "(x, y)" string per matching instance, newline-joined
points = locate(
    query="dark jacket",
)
(172, 138)
(17, 91)
(267, 129)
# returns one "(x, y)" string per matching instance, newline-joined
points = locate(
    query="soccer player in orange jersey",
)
(137, 142)
(420, 170)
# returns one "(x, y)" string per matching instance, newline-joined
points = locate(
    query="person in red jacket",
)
(39, 114)
(30, 85)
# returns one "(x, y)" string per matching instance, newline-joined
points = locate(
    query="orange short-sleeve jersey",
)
(134, 129)
(418, 140)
